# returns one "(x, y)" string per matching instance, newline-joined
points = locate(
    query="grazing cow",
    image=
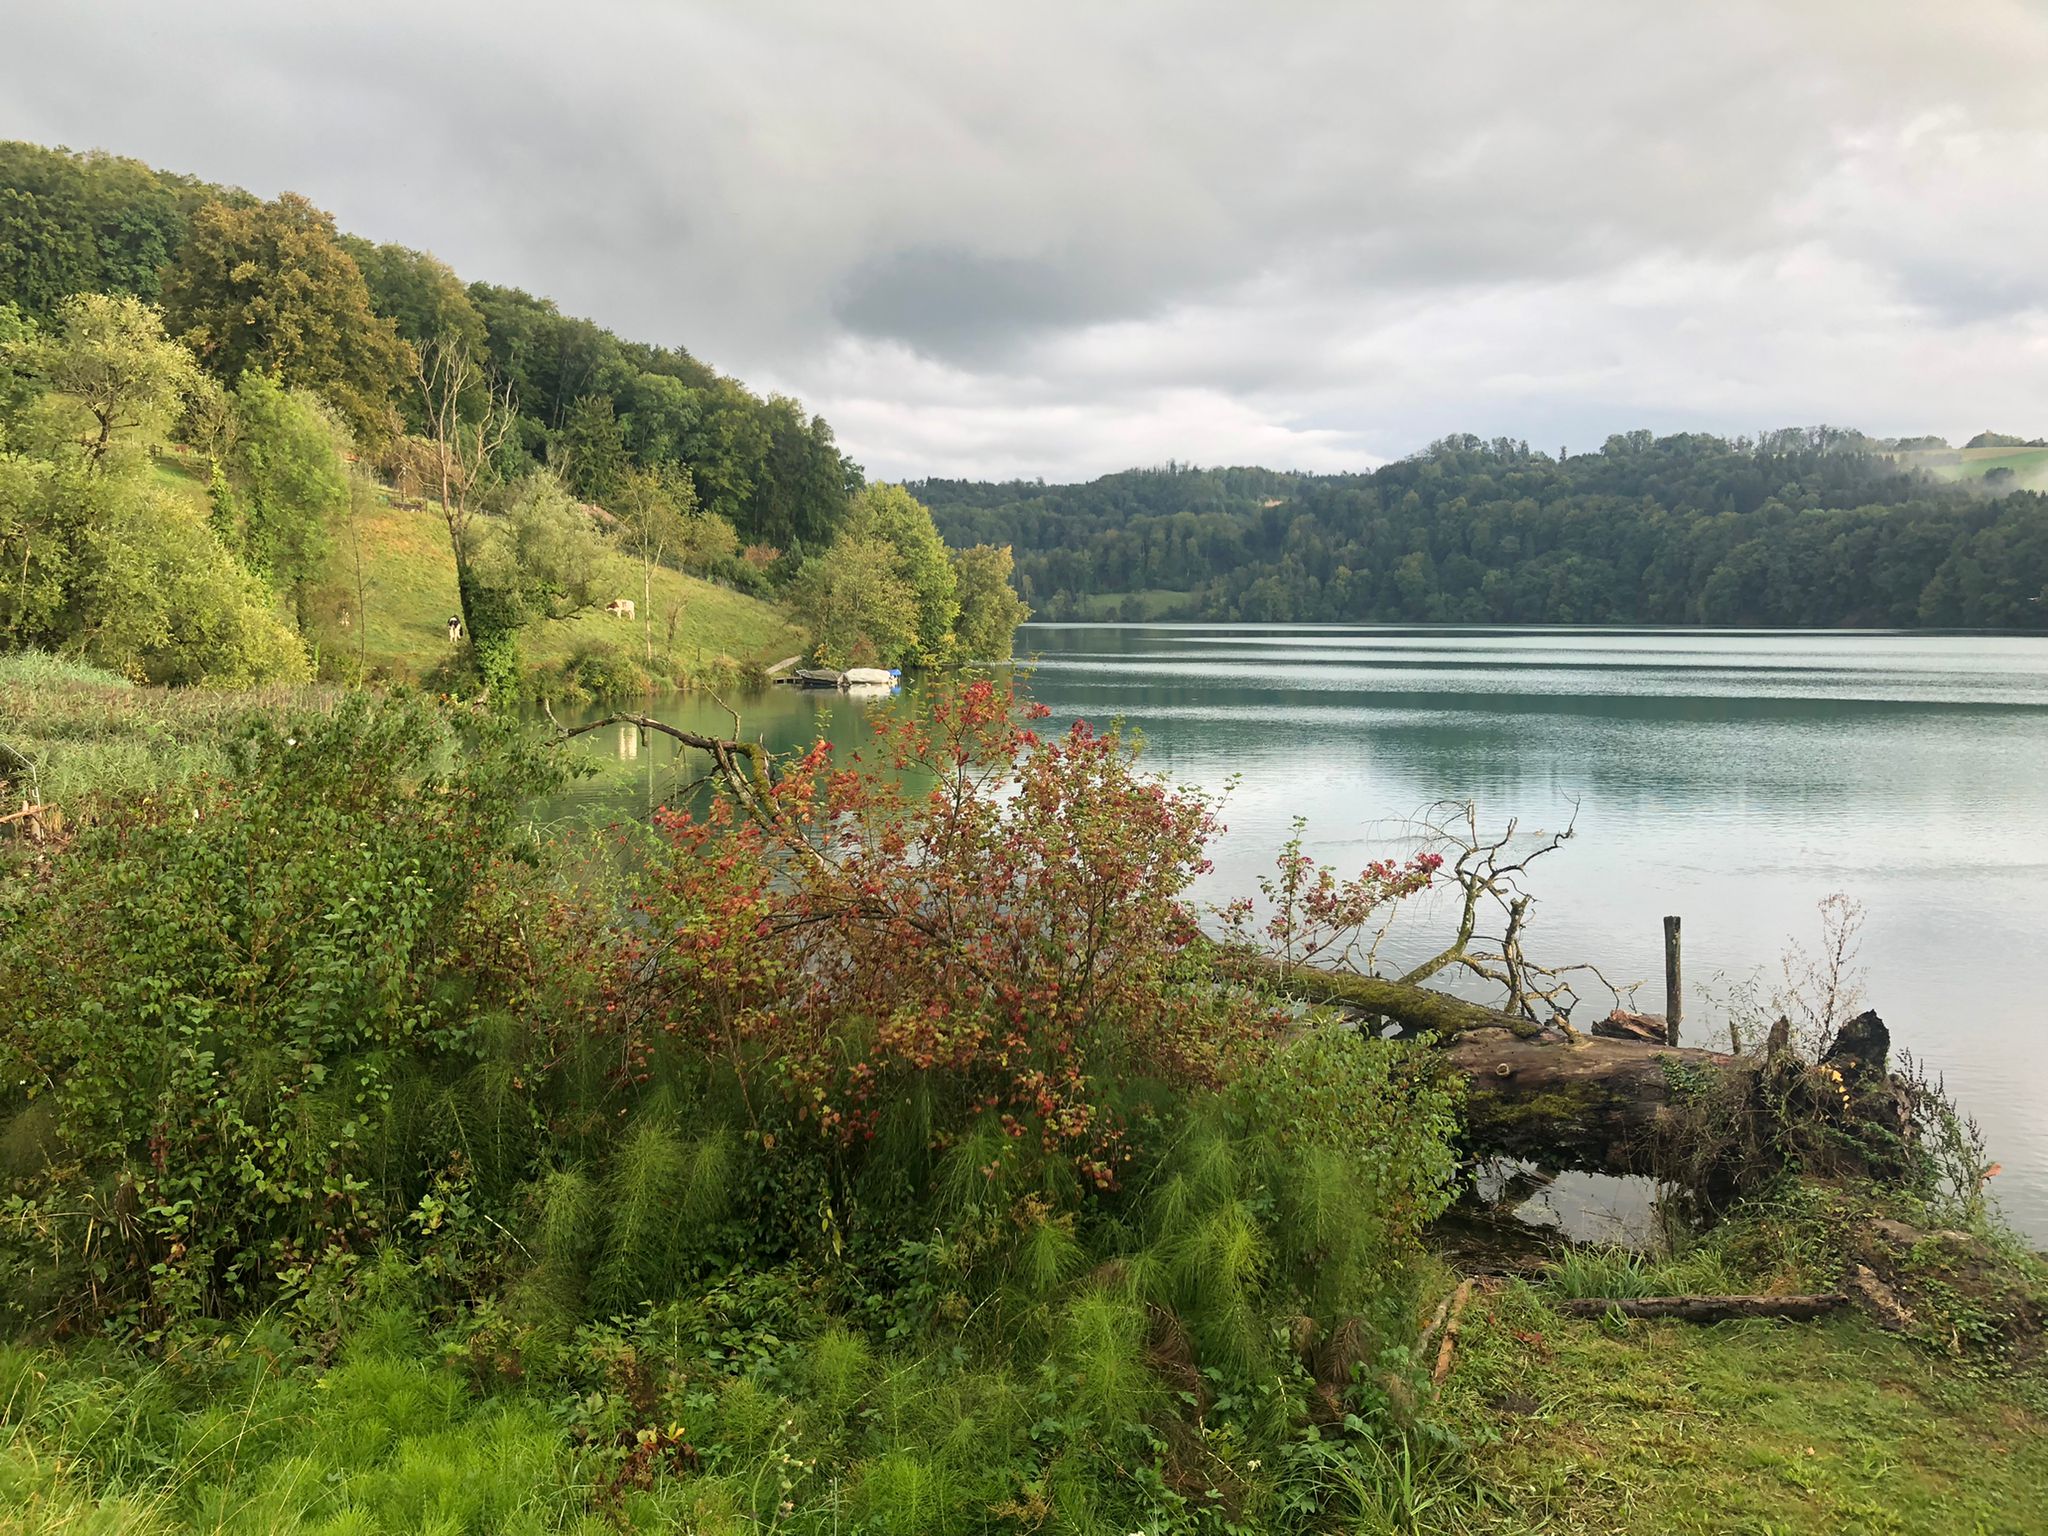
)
(620, 607)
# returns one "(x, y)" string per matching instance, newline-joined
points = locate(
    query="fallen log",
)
(1416, 1009)
(1451, 1325)
(1627, 1105)
(1603, 1105)
(1710, 1309)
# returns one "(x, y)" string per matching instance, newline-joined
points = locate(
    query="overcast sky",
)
(1059, 239)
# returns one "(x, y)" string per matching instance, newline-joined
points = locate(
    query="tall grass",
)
(73, 734)
(240, 1447)
(41, 669)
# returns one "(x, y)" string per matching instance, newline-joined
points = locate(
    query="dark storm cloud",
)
(959, 305)
(1065, 237)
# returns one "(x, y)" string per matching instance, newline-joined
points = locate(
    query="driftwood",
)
(1623, 1025)
(1535, 1092)
(1710, 1309)
(1451, 1325)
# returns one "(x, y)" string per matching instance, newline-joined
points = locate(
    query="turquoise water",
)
(1733, 778)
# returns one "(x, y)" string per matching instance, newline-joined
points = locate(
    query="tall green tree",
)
(590, 451)
(726, 444)
(990, 610)
(286, 487)
(854, 605)
(86, 223)
(426, 301)
(890, 515)
(800, 494)
(268, 286)
(42, 257)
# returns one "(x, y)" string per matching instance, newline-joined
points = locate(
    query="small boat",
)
(866, 679)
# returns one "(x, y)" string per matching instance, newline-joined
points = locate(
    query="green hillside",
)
(2029, 465)
(408, 594)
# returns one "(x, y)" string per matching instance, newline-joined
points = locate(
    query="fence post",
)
(1674, 998)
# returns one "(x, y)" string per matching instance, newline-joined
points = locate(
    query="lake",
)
(1733, 778)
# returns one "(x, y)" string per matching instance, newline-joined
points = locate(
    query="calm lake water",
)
(1734, 778)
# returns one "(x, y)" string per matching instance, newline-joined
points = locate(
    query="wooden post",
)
(1674, 998)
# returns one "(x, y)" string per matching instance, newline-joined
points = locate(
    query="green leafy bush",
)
(261, 1038)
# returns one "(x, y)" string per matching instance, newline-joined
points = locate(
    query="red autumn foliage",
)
(994, 913)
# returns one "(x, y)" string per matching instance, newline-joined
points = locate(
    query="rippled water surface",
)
(1732, 778)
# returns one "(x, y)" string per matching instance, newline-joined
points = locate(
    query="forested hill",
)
(247, 283)
(1798, 528)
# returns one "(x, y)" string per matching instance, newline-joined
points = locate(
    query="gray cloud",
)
(960, 305)
(1062, 238)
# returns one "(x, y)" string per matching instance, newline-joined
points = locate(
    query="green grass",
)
(2028, 465)
(1562, 1428)
(1763, 1429)
(2025, 463)
(375, 1444)
(410, 593)
(1151, 604)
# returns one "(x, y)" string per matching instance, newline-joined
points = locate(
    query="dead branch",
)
(1451, 1325)
(464, 451)
(1710, 1309)
(1491, 878)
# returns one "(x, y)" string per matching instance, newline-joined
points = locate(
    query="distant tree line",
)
(1793, 528)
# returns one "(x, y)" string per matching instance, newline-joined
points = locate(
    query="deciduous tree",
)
(990, 610)
(285, 487)
(890, 515)
(268, 286)
(855, 606)
(108, 353)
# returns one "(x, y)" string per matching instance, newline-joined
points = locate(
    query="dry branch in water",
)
(748, 784)
(1331, 932)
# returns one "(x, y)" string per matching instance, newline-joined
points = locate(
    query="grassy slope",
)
(409, 593)
(2029, 465)
(1750, 1428)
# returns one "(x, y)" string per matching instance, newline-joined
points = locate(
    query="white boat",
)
(868, 676)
